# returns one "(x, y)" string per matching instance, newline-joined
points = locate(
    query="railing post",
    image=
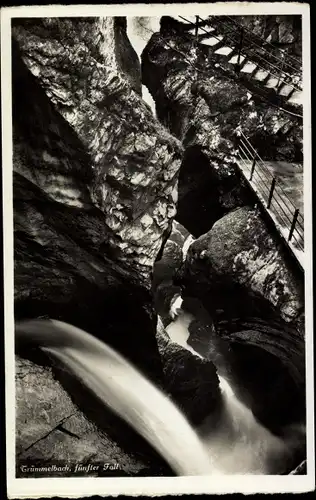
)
(293, 224)
(252, 168)
(271, 192)
(196, 28)
(239, 50)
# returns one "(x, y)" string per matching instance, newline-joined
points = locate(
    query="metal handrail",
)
(263, 40)
(271, 191)
(252, 52)
(252, 35)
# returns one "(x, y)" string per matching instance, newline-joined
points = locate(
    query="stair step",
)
(249, 67)
(261, 75)
(211, 41)
(296, 97)
(224, 51)
(187, 20)
(286, 90)
(234, 59)
(272, 83)
(207, 29)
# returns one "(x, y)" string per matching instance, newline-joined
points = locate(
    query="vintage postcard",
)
(157, 249)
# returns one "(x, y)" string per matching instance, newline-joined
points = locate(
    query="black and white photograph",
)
(158, 249)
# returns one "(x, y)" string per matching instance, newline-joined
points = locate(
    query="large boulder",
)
(191, 381)
(239, 253)
(253, 301)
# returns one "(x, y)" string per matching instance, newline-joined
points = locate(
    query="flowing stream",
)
(238, 443)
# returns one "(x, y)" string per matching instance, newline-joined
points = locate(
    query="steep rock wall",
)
(94, 182)
(204, 106)
(95, 179)
(133, 161)
(253, 302)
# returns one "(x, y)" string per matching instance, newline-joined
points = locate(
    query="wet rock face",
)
(199, 97)
(204, 105)
(280, 31)
(52, 429)
(238, 253)
(192, 382)
(94, 183)
(165, 269)
(241, 279)
(79, 67)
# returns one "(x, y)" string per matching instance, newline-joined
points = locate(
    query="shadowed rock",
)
(166, 267)
(250, 321)
(191, 381)
(94, 189)
(52, 430)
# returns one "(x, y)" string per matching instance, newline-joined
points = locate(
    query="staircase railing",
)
(271, 192)
(279, 68)
(261, 42)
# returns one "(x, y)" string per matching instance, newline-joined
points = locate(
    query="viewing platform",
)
(278, 186)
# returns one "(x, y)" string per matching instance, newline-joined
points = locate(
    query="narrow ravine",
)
(100, 189)
(139, 31)
(236, 441)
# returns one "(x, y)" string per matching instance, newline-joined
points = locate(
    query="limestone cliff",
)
(204, 105)
(95, 178)
(129, 163)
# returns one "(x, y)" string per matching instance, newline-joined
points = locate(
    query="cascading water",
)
(238, 443)
(123, 389)
(234, 444)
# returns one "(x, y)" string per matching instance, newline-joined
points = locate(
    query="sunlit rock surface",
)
(85, 73)
(204, 106)
(239, 251)
(94, 181)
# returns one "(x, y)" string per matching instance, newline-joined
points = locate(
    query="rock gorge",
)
(98, 184)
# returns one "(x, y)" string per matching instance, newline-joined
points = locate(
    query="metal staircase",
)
(236, 48)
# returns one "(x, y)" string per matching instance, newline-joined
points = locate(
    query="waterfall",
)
(235, 444)
(124, 390)
(238, 443)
